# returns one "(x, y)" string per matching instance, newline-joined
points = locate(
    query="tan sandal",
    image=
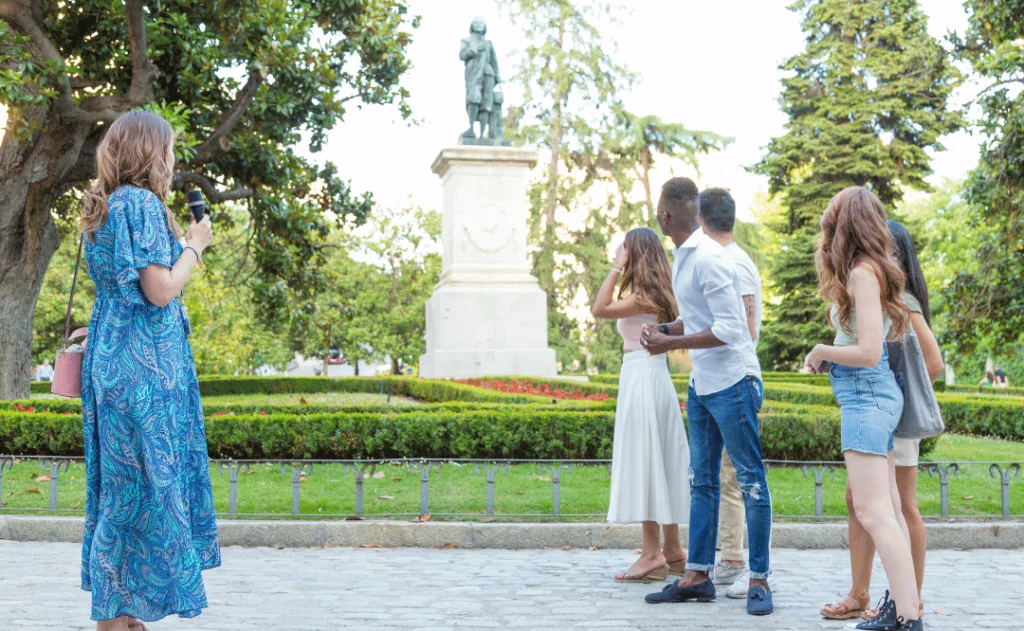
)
(843, 611)
(656, 575)
(677, 568)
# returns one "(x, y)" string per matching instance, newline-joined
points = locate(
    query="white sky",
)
(732, 61)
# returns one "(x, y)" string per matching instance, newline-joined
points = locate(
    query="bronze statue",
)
(483, 94)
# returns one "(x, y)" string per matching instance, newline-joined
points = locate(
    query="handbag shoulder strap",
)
(74, 283)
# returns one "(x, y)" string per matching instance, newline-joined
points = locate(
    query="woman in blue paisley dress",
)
(150, 526)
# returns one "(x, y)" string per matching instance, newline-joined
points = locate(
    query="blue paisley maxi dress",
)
(150, 526)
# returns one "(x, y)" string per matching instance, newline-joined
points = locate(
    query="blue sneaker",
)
(759, 601)
(701, 592)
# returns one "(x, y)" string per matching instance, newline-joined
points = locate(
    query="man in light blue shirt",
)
(725, 396)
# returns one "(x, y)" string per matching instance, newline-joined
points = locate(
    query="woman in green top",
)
(904, 456)
(990, 378)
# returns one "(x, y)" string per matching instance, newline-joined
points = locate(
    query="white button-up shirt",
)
(709, 297)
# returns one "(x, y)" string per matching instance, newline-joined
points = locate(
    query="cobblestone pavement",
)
(340, 588)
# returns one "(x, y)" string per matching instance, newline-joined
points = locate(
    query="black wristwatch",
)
(664, 328)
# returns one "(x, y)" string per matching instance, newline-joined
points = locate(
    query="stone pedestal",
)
(487, 316)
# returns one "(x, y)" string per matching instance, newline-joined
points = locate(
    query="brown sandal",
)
(656, 575)
(677, 568)
(842, 609)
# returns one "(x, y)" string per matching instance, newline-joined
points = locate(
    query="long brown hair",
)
(647, 275)
(854, 232)
(137, 150)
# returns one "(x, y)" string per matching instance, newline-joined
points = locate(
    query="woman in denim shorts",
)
(860, 277)
(904, 455)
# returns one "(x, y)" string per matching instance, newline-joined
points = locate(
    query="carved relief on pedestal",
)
(488, 231)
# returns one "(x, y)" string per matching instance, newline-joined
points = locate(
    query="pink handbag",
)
(67, 368)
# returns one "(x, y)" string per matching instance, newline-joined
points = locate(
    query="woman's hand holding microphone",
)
(199, 236)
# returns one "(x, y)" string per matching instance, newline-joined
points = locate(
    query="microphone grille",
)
(195, 196)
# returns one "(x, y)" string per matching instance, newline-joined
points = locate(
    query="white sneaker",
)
(742, 584)
(727, 573)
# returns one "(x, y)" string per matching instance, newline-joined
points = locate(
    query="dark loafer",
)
(701, 592)
(759, 601)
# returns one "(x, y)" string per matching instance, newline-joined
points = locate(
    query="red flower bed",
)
(517, 386)
(21, 408)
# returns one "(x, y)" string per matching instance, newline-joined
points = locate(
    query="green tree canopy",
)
(244, 81)
(866, 99)
(988, 297)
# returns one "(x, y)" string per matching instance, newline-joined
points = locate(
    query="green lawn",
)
(526, 489)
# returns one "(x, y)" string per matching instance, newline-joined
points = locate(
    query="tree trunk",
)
(29, 175)
(326, 359)
(551, 196)
(645, 161)
(396, 368)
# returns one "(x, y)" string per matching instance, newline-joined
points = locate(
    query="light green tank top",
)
(850, 339)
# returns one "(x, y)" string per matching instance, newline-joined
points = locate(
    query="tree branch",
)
(20, 16)
(81, 83)
(213, 196)
(218, 143)
(144, 72)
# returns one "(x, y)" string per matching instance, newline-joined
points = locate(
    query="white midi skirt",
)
(651, 456)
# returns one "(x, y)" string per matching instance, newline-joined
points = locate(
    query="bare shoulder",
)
(863, 277)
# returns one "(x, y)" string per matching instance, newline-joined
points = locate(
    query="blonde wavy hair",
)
(647, 275)
(854, 231)
(137, 150)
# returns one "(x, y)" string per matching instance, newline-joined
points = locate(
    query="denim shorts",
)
(871, 404)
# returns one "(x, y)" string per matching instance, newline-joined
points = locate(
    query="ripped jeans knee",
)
(755, 492)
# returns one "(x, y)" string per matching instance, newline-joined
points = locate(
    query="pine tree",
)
(866, 98)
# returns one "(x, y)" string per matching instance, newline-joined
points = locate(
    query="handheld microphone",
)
(196, 204)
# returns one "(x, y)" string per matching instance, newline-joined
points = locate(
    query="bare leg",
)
(906, 480)
(862, 556)
(869, 478)
(651, 557)
(672, 549)
(862, 551)
(116, 624)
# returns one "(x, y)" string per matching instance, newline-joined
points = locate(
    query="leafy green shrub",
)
(788, 431)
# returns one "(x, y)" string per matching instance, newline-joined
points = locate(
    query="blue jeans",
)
(728, 416)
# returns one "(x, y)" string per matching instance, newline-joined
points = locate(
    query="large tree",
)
(866, 99)
(988, 297)
(594, 153)
(244, 79)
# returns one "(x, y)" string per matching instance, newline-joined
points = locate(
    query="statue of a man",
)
(482, 77)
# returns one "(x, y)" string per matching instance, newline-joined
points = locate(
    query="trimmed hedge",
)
(788, 432)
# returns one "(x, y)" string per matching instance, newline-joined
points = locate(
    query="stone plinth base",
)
(488, 315)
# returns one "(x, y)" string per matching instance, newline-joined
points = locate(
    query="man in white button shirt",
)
(724, 398)
(717, 217)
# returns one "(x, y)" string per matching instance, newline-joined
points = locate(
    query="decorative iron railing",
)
(298, 470)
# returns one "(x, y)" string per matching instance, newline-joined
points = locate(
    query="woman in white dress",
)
(650, 457)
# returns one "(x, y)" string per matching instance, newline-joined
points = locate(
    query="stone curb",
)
(399, 534)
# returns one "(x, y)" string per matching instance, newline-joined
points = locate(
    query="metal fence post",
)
(819, 483)
(943, 471)
(358, 469)
(56, 464)
(1004, 476)
(424, 468)
(491, 469)
(233, 469)
(5, 463)
(302, 469)
(556, 483)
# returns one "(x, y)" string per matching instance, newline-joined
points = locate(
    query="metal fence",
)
(820, 471)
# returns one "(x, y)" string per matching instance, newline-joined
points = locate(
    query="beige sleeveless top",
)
(630, 328)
